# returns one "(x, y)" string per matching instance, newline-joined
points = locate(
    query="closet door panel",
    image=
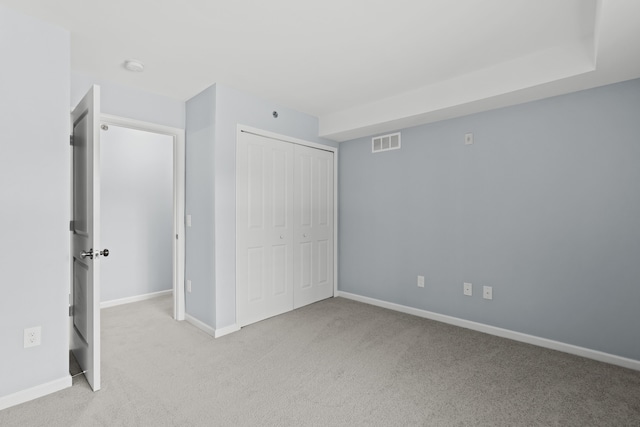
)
(313, 230)
(264, 253)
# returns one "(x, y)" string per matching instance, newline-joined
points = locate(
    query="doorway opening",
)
(85, 291)
(136, 179)
(142, 180)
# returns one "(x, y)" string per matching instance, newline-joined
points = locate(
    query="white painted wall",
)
(137, 212)
(35, 212)
(130, 102)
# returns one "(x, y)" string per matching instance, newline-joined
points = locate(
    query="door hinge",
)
(71, 228)
(70, 311)
(176, 237)
(71, 140)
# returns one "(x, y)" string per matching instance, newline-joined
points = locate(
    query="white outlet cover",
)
(467, 289)
(188, 220)
(32, 337)
(487, 292)
(188, 285)
(421, 281)
(468, 138)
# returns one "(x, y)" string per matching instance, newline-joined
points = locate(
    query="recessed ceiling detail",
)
(363, 68)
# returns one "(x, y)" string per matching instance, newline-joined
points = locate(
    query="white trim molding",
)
(200, 324)
(500, 332)
(227, 330)
(35, 392)
(128, 300)
(216, 333)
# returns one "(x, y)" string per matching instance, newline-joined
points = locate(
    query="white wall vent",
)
(385, 142)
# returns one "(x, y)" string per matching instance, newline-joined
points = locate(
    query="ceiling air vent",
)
(385, 142)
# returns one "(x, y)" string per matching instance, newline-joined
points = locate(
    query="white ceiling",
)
(362, 67)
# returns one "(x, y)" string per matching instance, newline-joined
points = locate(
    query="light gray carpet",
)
(337, 362)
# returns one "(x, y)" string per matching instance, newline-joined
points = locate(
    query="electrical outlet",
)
(421, 281)
(487, 292)
(189, 286)
(467, 289)
(468, 138)
(32, 336)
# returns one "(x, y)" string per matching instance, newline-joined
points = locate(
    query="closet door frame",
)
(291, 140)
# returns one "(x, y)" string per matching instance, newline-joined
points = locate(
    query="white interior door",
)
(313, 230)
(85, 227)
(264, 256)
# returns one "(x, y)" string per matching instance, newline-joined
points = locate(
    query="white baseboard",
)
(216, 333)
(114, 302)
(500, 332)
(34, 392)
(200, 325)
(227, 330)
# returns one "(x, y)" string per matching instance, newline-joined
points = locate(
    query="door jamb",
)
(178, 199)
(272, 135)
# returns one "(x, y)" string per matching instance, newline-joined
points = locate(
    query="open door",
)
(85, 239)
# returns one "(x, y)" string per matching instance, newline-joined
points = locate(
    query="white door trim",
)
(178, 199)
(284, 138)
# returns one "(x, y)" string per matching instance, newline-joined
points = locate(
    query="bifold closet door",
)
(264, 265)
(284, 254)
(313, 230)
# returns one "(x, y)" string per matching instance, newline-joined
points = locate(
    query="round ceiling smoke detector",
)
(133, 65)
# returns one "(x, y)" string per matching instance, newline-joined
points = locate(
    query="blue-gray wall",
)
(544, 207)
(199, 250)
(35, 200)
(212, 118)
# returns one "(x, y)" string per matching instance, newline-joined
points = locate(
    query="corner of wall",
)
(200, 113)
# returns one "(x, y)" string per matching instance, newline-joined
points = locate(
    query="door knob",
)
(89, 254)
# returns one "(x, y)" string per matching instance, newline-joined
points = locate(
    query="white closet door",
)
(313, 231)
(264, 264)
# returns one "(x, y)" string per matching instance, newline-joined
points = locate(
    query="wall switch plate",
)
(467, 289)
(421, 281)
(189, 286)
(32, 336)
(487, 292)
(188, 220)
(468, 138)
